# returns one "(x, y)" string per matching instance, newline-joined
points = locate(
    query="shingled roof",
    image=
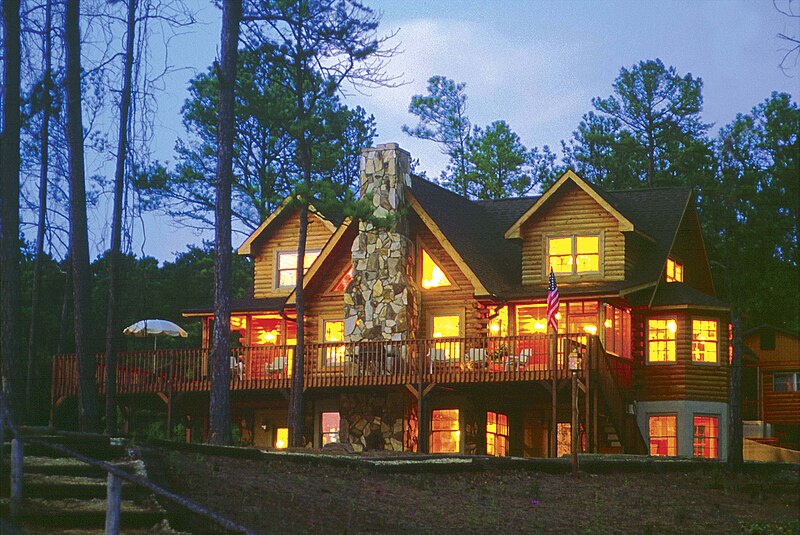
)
(476, 229)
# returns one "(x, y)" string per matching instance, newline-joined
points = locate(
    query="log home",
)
(771, 386)
(429, 335)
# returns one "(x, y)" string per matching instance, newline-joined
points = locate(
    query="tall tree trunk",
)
(45, 156)
(112, 330)
(12, 367)
(63, 324)
(298, 363)
(219, 407)
(735, 431)
(88, 414)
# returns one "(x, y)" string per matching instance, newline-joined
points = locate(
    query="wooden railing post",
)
(113, 504)
(17, 458)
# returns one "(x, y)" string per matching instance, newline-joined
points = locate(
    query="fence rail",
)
(340, 364)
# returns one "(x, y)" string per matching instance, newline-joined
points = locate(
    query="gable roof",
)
(594, 192)
(286, 208)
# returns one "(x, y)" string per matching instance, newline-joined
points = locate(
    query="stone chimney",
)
(379, 303)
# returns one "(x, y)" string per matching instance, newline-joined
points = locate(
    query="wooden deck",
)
(330, 365)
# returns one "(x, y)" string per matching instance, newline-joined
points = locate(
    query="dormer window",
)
(573, 254)
(432, 274)
(674, 271)
(286, 267)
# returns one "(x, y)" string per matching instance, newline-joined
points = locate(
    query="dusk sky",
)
(535, 65)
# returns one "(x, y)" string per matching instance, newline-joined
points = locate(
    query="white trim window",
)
(286, 266)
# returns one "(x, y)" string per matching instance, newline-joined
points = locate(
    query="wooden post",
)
(575, 423)
(422, 431)
(553, 393)
(17, 456)
(113, 504)
(170, 378)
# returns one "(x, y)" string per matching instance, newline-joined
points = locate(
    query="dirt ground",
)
(282, 496)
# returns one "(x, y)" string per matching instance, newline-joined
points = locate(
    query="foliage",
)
(265, 165)
(648, 132)
(749, 210)
(442, 118)
(485, 163)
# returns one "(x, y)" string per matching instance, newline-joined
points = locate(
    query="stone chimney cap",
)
(384, 146)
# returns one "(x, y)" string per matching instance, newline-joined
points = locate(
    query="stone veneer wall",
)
(372, 421)
(380, 303)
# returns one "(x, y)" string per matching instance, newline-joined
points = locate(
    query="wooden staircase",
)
(64, 495)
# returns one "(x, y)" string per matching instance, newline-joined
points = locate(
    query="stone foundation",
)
(372, 422)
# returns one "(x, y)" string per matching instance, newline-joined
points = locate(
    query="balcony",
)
(437, 360)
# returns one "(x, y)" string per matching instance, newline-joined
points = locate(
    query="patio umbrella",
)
(154, 328)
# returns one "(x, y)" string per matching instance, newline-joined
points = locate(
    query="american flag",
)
(552, 302)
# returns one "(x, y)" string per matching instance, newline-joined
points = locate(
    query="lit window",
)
(432, 275)
(447, 327)
(498, 325)
(663, 435)
(661, 340)
(575, 254)
(704, 340)
(341, 286)
(785, 382)
(286, 267)
(330, 427)
(563, 438)
(333, 331)
(674, 271)
(532, 319)
(706, 436)
(281, 438)
(496, 434)
(445, 433)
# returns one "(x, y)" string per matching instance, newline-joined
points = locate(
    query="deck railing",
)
(455, 360)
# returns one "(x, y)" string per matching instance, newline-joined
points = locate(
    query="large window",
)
(674, 271)
(446, 326)
(661, 335)
(785, 381)
(333, 331)
(704, 341)
(445, 432)
(706, 436)
(330, 427)
(575, 317)
(618, 331)
(432, 274)
(286, 267)
(573, 254)
(496, 434)
(663, 435)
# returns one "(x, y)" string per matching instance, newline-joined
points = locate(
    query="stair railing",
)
(115, 478)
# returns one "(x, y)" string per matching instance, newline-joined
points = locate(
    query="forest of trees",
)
(269, 121)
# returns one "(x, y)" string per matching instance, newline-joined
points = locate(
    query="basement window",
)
(281, 441)
(663, 435)
(496, 434)
(706, 437)
(445, 431)
(330, 427)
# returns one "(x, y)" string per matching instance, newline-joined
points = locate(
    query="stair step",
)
(61, 486)
(88, 513)
(102, 452)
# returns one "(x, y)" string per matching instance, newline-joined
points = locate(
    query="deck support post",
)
(553, 395)
(17, 459)
(169, 396)
(422, 427)
(575, 424)
(587, 367)
(113, 504)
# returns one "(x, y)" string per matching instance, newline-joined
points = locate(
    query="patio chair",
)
(278, 366)
(237, 368)
(475, 358)
(524, 359)
(436, 355)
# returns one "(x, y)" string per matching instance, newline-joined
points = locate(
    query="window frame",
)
(457, 431)
(676, 274)
(716, 342)
(329, 349)
(425, 250)
(448, 342)
(277, 270)
(323, 433)
(573, 254)
(650, 417)
(648, 341)
(795, 380)
(713, 439)
(497, 434)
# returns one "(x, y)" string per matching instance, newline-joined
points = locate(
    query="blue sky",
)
(534, 64)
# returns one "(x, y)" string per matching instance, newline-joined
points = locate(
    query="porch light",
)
(558, 315)
(539, 326)
(672, 326)
(607, 324)
(591, 329)
(494, 327)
